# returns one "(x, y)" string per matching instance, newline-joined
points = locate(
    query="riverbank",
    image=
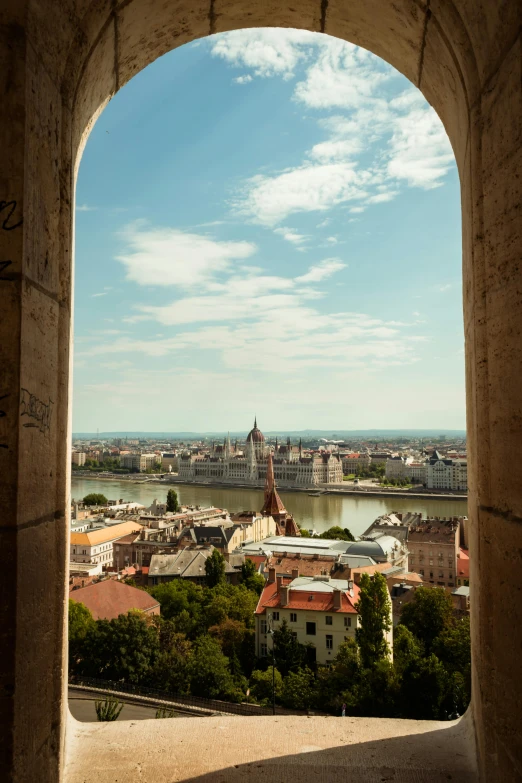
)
(356, 510)
(313, 491)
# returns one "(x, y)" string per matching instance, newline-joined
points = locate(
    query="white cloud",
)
(321, 271)
(356, 210)
(290, 235)
(85, 208)
(267, 52)
(270, 200)
(167, 256)
(243, 79)
(342, 76)
(444, 287)
(103, 293)
(402, 134)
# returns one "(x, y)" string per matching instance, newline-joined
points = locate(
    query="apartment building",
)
(78, 458)
(355, 463)
(434, 548)
(140, 462)
(169, 462)
(444, 473)
(319, 610)
(96, 546)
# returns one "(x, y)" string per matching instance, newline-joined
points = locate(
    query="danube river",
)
(319, 513)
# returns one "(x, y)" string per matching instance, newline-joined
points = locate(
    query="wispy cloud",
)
(85, 208)
(102, 293)
(243, 79)
(321, 271)
(167, 256)
(403, 134)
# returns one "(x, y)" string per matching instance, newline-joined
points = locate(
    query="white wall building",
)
(78, 458)
(140, 462)
(96, 546)
(447, 474)
(319, 610)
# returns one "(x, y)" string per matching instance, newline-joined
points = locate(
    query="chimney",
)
(271, 574)
(295, 573)
(284, 595)
(337, 599)
(350, 587)
(279, 580)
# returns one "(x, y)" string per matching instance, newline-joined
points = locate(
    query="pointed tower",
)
(276, 446)
(273, 505)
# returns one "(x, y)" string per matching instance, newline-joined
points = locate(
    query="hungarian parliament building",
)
(248, 464)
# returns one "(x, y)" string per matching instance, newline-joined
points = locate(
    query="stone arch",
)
(60, 62)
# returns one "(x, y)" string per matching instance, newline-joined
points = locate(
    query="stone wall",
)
(60, 62)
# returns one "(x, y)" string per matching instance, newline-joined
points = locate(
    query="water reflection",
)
(319, 513)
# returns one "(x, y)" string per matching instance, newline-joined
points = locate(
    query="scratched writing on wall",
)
(37, 410)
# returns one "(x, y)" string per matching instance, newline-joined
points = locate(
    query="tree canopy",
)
(343, 534)
(172, 501)
(95, 499)
(215, 568)
(428, 615)
(374, 607)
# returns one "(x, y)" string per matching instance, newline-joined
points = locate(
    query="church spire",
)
(255, 422)
(273, 505)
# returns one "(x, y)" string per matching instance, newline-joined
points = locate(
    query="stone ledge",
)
(228, 749)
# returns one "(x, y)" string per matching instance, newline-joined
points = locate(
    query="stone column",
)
(35, 316)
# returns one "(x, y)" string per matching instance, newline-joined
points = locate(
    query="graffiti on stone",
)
(37, 410)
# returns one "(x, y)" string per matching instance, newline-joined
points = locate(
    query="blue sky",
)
(268, 221)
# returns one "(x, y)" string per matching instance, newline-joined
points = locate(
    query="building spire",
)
(255, 422)
(273, 505)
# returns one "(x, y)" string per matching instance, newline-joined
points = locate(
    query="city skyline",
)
(268, 220)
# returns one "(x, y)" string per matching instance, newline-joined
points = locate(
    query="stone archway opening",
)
(63, 62)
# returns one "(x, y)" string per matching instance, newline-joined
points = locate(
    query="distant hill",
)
(330, 434)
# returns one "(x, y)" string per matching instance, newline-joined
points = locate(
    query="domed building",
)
(256, 440)
(292, 467)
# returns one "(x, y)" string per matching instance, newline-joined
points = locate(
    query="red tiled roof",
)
(300, 599)
(463, 567)
(107, 600)
(463, 554)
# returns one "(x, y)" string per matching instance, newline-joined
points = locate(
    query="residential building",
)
(355, 463)
(395, 467)
(320, 612)
(188, 564)
(78, 458)
(434, 546)
(169, 462)
(96, 546)
(291, 465)
(139, 462)
(108, 599)
(444, 473)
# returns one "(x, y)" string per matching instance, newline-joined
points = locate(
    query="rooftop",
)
(108, 599)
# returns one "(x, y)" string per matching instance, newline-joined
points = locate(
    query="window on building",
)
(310, 629)
(263, 651)
(347, 622)
(329, 641)
(421, 572)
(441, 575)
(431, 574)
(293, 617)
(263, 626)
(275, 616)
(328, 619)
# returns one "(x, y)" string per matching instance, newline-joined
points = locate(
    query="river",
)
(319, 513)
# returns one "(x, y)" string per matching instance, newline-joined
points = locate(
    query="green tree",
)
(81, 622)
(122, 649)
(215, 568)
(299, 690)
(171, 670)
(209, 673)
(181, 601)
(289, 654)
(341, 676)
(108, 709)
(428, 614)
(250, 577)
(407, 649)
(164, 712)
(172, 501)
(374, 608)
(229, 601)
(304, 532)
(261, 684)
(343, 534)
(95, 499)
(237, 643)
(424, 690)
(375, 692)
